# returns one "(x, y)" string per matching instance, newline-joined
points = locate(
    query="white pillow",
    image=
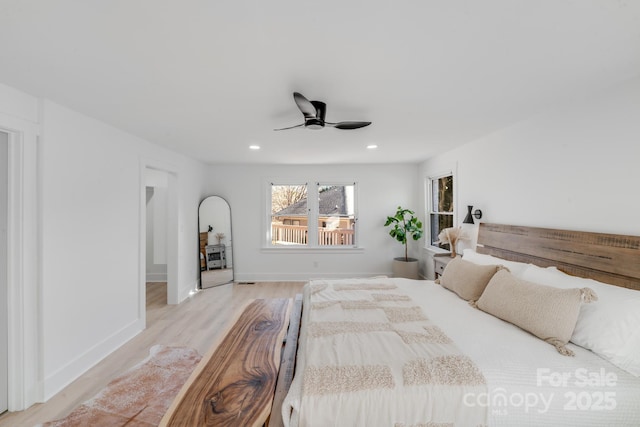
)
(545, 311)
(515, 268)
(610, 327)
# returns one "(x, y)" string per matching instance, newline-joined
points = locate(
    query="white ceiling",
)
(210, 77)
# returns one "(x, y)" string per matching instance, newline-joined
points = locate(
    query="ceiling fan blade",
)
(304, 105)
(348, 125)
(291, 127)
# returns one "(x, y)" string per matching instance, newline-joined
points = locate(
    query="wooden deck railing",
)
(288, 234)
(335, 237)
(297, 235)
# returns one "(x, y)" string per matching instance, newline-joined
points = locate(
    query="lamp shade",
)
(469, 218)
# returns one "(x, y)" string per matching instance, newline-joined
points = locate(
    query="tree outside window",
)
(289, 215)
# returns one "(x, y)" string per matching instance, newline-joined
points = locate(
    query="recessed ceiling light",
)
(254, 147)
(372, 147)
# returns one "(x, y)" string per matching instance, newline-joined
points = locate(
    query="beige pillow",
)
(467, 279)
(546, 312)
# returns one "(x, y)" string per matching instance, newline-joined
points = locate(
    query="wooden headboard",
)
(609, 258)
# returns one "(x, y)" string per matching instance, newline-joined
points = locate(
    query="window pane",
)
(441, 209)
(289, 215)
(438, 223)
(336, 215)
(442, 194)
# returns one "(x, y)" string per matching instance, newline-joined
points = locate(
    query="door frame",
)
(25, 357)
(4, 282)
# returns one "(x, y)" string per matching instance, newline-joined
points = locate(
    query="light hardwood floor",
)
(195, 323)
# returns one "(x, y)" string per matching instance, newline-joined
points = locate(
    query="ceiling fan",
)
(314, 112)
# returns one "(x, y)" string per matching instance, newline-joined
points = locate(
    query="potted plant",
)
(405, 225)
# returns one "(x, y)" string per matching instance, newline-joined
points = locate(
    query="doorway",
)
(4, 279)
(156, 248)
(158, 233)
(156, 229)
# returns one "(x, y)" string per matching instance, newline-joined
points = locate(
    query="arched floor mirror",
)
(216, 253)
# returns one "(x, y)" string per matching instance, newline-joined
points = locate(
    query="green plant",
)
(404, 224)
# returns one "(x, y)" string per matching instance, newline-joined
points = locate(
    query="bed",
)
(407, 353)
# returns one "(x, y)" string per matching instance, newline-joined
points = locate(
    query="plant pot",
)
(407, 269)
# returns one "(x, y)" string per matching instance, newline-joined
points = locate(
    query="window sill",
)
(434, 250)
(307, 250)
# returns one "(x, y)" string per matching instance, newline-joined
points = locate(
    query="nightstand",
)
(440, 261)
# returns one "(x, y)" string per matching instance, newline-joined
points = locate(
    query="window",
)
(336, 215)
(441, 206)
(289, 214)
(320, 215)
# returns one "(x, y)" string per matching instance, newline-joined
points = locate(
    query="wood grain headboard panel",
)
(609, 258)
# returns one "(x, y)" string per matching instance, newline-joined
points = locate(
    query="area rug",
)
(139, 397)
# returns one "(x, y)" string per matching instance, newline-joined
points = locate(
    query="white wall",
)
(574, 167)
(381, 188)
(91, 192)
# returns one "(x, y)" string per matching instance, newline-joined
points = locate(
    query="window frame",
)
(313, 216)
(270, 215)
(320, 184)
(429, 211)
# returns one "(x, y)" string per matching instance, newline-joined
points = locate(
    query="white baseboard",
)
(156, 277)
(187, 292)
(55, 382)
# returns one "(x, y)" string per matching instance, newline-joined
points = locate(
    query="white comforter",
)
(528, 383)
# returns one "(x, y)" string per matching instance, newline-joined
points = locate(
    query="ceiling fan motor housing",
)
(318, 121)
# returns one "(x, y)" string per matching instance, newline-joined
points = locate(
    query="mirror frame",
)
(200, 271)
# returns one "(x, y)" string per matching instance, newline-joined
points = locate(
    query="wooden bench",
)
(234, 383)
(287, 364)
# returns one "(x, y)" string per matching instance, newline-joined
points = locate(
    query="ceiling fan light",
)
(314, 124)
